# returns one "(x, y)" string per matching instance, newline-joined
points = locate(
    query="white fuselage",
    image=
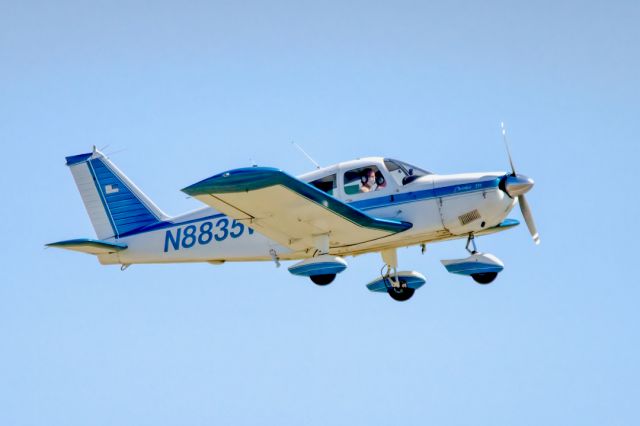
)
(440, 207)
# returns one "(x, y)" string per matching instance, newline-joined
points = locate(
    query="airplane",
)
(367, 205)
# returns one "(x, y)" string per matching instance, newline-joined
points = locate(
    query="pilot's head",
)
(369, 178)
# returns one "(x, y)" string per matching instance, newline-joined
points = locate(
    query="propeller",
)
(516, 186)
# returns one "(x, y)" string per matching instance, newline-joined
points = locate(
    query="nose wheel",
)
(483, 278)
(483, 268)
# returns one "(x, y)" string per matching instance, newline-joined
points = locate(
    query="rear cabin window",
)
(326, 184)
(363, 179)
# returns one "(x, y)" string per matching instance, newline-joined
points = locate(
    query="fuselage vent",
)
(469, 217)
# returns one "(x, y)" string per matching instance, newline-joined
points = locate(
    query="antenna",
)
(305, 154)
(111, 154)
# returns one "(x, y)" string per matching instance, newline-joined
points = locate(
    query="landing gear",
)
(323, 279)
(322, 268)
(396, 287)
(471, 240)
(483, 278)
(402, 293)
(399, 285)
(483, 268)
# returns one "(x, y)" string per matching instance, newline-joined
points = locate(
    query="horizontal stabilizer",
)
(90, 246)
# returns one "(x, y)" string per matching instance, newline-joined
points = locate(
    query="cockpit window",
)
(326, 184)
(363, 179)
(404, 173)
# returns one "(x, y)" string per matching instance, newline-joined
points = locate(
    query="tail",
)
(115, 205)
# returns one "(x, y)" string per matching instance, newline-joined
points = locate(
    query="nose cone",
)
(518, 185)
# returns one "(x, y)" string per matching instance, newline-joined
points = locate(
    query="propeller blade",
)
(528, 218)
(506, 144)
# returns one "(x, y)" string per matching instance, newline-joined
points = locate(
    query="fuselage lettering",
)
(203, 234)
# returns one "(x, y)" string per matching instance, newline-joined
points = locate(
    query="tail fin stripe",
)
(116, 206)
(133, 213)
(102, 198)
(121, 191)
(128, 221)
(119, 209)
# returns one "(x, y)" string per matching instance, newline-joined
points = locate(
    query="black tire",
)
(323, 279)
(484, 277)
(401, 294)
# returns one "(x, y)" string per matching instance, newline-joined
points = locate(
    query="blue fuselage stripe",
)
(425, 194)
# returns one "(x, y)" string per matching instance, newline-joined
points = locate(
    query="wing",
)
(289, 210)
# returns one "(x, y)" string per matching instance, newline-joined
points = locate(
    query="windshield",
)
(404, 173)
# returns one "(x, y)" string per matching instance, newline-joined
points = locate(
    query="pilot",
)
(368, 180)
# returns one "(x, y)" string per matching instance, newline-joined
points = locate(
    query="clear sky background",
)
(182, 90)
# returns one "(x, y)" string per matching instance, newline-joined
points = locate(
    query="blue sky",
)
(181, 90)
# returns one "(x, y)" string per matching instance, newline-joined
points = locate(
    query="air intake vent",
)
(469, 217)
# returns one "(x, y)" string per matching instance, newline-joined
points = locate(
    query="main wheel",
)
(484, 277)
(323, 279)
(401, 294)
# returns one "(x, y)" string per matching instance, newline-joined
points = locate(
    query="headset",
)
(365, 176)
(379, 178)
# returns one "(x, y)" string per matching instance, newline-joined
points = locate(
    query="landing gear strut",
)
(399, 285)
(396, 285)
(471, 240)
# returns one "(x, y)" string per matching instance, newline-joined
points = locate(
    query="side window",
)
(404, 173)
(363, 179)
(396, 172)
(326, 184)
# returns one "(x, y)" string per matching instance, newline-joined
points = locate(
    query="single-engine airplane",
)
(264, 214)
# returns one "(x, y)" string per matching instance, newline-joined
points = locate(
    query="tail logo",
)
(111, 189)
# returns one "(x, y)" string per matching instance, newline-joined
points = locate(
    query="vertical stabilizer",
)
(116, 206)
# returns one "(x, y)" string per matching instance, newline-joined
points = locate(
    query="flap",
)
(289, 210)
(90, 246)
